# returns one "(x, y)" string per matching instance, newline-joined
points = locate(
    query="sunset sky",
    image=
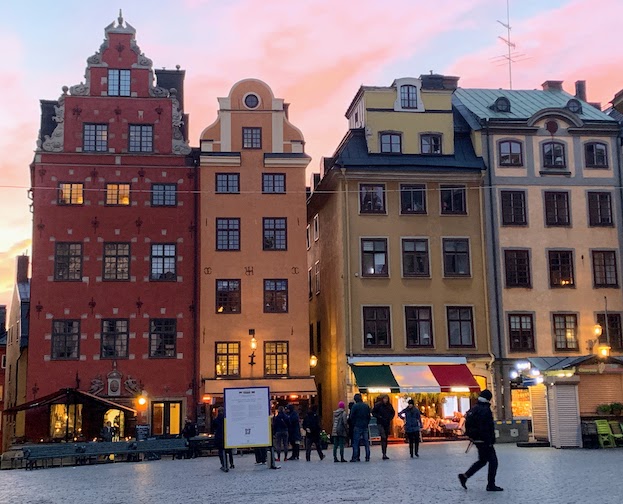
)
(313, 53)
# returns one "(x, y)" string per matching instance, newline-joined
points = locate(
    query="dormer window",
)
(502, 104)
(554, 155)
(118, 82)
(430, 143)
(391, 143)
(408, 97)
(574, 106)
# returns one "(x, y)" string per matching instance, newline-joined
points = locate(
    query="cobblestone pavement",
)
(528, 475)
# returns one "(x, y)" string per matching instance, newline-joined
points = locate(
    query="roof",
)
(560, 363)
(615, 114)
(353, 153)
(524, 103)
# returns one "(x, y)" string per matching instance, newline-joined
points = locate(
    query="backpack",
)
(473, 423)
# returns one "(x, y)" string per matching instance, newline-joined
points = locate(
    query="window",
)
(311, 339)
(456, 257)
(309, 283)
(561, 268)
(412, 199)
(408, 97)
(613, 332)
(430, 144)
(308, 237)
(162, 337)
(276, 358)
(228, 183)
(565, 331)
(163, 259)
(68, 261)
(65, 339)
(275, 296)
(513, 208)
(3, 363)
(372, 198)
(116, 261)
(251, 101)
(415, 258)
(227, 234)
(556, 208)
(596, 155)
(453, 200)
(118, 194)
(316, 229)
(391, 143)
(510, 154)
(460, 326)
(521, 332)
(502, 104)
(374, 257)
(317, 276)
(70, 194)
(554, 155)
(141, 138)
(376, 328)
(95, 138)
(273, 183)
(419, 322)
(118, 82)
(227, 358)
(114, 338)
(517, 264)
(600, 209)
(251, 138)
(319, 336)
(163, 195)
(228, 298)
(275, 233)
(605, 268)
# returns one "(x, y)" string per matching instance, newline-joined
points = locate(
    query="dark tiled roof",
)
(615, 114)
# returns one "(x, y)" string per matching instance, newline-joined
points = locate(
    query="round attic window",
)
(251, 101)
(574, 106)
(502, 104)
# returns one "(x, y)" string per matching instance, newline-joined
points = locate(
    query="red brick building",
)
(113, 259)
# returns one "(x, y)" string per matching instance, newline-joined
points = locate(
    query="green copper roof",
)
(524, 103)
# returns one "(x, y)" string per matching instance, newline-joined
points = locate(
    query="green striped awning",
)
(371, 379)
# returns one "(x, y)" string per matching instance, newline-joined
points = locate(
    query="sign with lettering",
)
(247, 417)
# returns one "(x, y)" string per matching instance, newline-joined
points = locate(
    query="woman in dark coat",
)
(413, 424)
(218, 428)
(294, 431)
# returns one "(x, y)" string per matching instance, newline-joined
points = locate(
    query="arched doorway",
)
(117, 420)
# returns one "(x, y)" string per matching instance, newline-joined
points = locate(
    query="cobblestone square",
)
(530, 475)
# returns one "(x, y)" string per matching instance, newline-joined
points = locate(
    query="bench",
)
(154, 449)
(46, 454)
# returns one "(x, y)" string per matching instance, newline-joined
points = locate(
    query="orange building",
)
(253, 289)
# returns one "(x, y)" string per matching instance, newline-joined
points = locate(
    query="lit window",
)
(118, 194)
(70, 194)
(276, 358)
(227, 358)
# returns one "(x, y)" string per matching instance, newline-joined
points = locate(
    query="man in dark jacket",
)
(218, 427)
(384, 413)
(360, 418)
(311, 424)
(294, 431)
(483, 436)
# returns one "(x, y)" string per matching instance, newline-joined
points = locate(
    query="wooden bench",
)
(154, 449)
(46, 454)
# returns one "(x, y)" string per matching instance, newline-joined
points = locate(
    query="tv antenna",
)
(511, 56)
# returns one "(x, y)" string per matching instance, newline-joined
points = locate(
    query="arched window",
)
(408, 96)
(554, 155)
(510, 153)
(502, 104)
(596, 155)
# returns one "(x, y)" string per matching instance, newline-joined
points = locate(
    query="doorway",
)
(117, 421)
(166, 418)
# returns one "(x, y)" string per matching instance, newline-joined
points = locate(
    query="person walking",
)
(350, 425)
(280, 430)
(218, 427)
(294, 431)
(190, 431)
(480, 429)
(413, 425)
(384, 413)
(311, 424)
(339, 431)
(360, 418)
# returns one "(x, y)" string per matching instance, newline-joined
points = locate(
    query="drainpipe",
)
(501, 407)
(347, 276)
(196, 277)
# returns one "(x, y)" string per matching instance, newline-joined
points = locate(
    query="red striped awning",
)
(454, 378)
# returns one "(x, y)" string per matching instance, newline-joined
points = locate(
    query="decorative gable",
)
(408, 95)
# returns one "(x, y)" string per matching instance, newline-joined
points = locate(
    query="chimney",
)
(580, 90)
(22, 269)
(552, 85)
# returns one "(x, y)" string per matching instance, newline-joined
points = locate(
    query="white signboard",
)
(247, 417)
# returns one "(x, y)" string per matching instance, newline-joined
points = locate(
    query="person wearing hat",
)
(413, 424)
(339, 432)
(480, 429)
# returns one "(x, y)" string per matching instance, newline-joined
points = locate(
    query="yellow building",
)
(552, 212)
(253, 300)
(395, 253)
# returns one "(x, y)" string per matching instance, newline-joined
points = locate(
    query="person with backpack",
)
(479, 428)
(413, 424)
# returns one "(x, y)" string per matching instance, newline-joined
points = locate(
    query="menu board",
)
(247, 417)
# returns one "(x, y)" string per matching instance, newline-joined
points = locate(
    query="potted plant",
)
(616, 408)
(324, 440)
(604, 409)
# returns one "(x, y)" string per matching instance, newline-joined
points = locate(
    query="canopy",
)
(375, 379)
(413, 379)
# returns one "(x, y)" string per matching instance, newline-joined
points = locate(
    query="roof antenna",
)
(120, 18)
(511, 56)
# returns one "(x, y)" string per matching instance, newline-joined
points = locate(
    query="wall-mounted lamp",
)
(602, 338)
(253, 347)
(313, 361)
